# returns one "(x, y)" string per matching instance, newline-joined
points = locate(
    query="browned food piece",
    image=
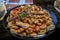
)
(25, 25)
(49, 26)
(32, 25)
(10, 24)
(33, 34)
(49, 21)
(19, 23)
(15, 27)
(36, 21)
(37, 28)
(38, 12)
(31, 21)
(14, 31)
(20, 30)
(23, 34)
(25, 21)
(43, 26)
(47, 14)
(39, 24)
(33, 8)
(29, 30)
(42, 31)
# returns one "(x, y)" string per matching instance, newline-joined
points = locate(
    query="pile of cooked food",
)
(29, 20)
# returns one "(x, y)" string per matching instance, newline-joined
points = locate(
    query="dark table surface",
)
(53, 36)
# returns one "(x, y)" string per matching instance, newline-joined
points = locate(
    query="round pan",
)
(41, 36)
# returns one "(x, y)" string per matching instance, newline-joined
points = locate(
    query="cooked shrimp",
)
(22, 7)
(15, 27)
(32, 25)
(19, 23)
(12, 12)
(41, 12)
(40, 20)
(21, 30)
(49, 21)
(33, 8)
(42, 31)
(46, 17)
(23, 34)
(49, 26)
(43, 25)
(37, 9)
(33, 34)
(25, 25)
(37, 28)
(25, 21)
(36, 21)
(28, 5)
(39, 24)
(31, 20)
(47, 14)
(10, 24)
(17, 9)
(29, 30)
(13, 30)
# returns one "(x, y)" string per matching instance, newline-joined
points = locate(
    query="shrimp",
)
(23, 34)
(43, 26)
(25, 25)
(28, 5)
(29, 30)
(33, 34)
(36, 21)
(13, 30)
(38, 16)
(19, 23)
(21, 30)
(47, 13)
(10, 24)
(41, 12)
(37, 9)
(15, 27)
(34, 12)
(18, 10)
(25, 21)
(22, 7)
(31, 20)
(40, 20)
(42, 31)
(46, 17)
(49, 26)
(32, 25)
(37, 28)
(49, 21)
(12, 12)
(39, 24)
